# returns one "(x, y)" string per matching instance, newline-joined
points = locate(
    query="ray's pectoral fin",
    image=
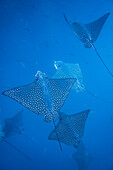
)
(31, 95)
(59, 90)
(95, 27)
(78, 122)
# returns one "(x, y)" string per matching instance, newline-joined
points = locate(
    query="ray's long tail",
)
(97, 97)
(14, 147)
(57, 135)
(102, 60)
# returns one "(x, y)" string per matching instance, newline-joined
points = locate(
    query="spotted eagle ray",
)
(88, 33)
(82, 157)
(70, 70)
(70, 128)
(44, 96)
(12, 127)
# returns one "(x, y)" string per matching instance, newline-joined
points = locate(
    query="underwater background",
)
(34, 34)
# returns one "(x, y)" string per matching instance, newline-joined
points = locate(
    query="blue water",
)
(33, 34)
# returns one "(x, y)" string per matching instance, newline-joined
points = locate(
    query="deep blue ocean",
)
(34, 34)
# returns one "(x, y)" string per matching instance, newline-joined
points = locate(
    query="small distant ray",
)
(82, 157)
(44, 96)
(70, 70)
(88, 33)
(70, 128)
(14, 125)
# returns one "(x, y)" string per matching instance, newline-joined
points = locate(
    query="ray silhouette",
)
(70, 70)
(82, 157)
(70, 128)
(88, 34)
(44, 96)
(12, 127)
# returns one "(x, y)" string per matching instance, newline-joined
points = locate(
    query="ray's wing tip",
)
(3, 93)
(74, 79)
(87, 111)
(49, 137)
(108, 13)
